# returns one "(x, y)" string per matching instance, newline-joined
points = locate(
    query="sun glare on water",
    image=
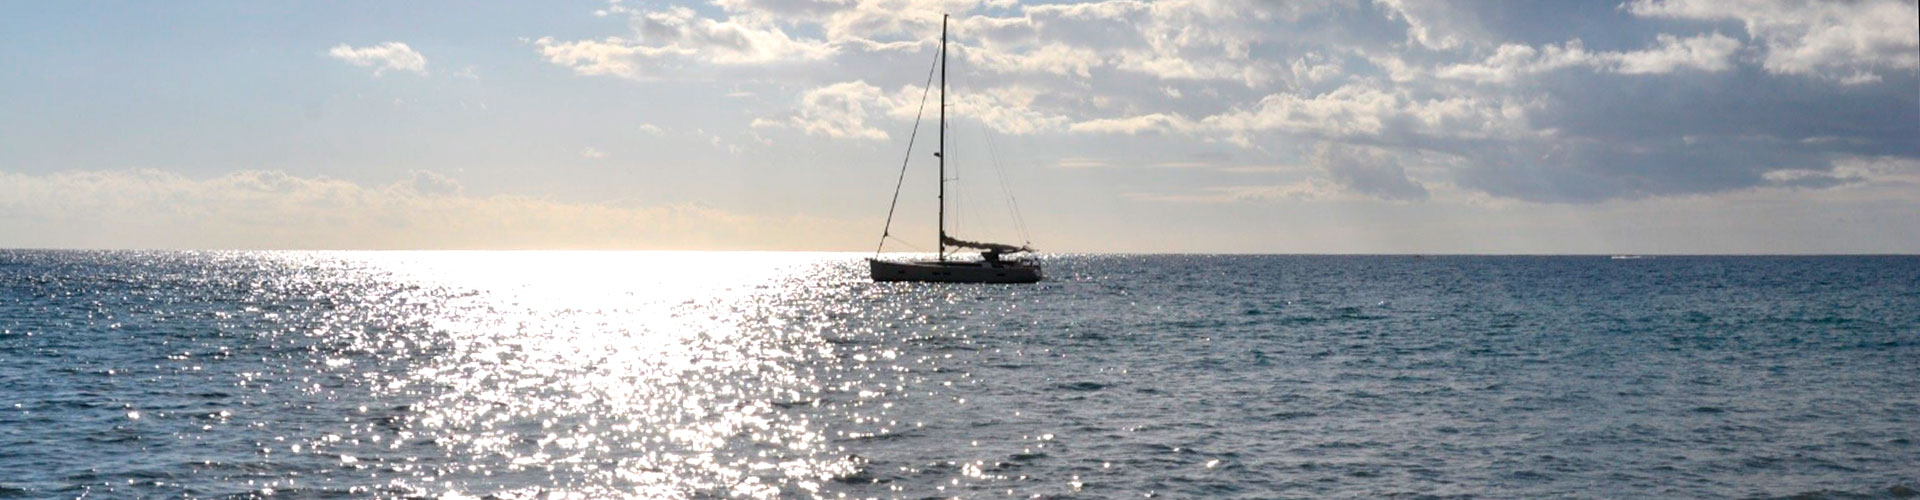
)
(594, 374)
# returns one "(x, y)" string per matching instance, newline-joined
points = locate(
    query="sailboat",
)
(997, 263)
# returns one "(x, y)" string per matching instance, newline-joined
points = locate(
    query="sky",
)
(1244, 126)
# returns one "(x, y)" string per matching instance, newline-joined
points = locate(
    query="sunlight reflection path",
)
(601, 374)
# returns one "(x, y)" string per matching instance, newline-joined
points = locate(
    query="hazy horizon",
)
(896, 253)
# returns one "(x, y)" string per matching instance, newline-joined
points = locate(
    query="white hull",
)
(955, 271)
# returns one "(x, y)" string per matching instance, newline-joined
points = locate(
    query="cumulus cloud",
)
(1837, 40)
(599, 57)
(383, 57)
(846, 110)
(670, 40)
(1056, 59)
(272, 209)
(838, 111)
(1425, 21)
(1134, 124)
(1512, 62)
(1364, 111)
(1713, 52)
(1174, 40)
(1519, 112)
(1009, 110)
(1344, 173)
(1353, 111)
(1303, 190)
(1369, 171)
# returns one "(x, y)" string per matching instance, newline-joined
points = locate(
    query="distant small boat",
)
(1627, 257)
(994, 265)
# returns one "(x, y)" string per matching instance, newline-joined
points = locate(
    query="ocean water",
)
(789, 375)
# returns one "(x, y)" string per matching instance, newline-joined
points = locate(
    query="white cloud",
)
(1511, 62)
(1356, 110)
(1353, 111)
(1081, 163)
(599, 57)
(670, 40)
(872, 19)
(838, 111)
(1134, 124)
(843, 110)
(1712, 52)
(1009, 109)
(723, 42)
(1422, 28)
(1837, 40)
(1302, 190)
(382, 57)
(1313, 68)
(1051, 58)
(782, 9)
(1251, 73)
(1881, 170)
(1176, 40)
(592, 153)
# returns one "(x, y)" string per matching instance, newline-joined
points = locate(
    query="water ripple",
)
(776, 375)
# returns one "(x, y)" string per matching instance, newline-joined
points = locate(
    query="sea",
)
(719, 375)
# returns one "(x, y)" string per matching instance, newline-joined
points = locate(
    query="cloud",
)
(382, 57)
(1056, 59)
(1420, 16)
(722, 42)
(1009, 109)
(1712, 52)
(1134, 124)
(1850, 41)
(611, 57)
(1304, 190)
(427, 210)
(1357, 110)
(422, 182)
(666, 42)
(1518, 108)
(1351, 111)
(1346, 173)
(1081, 163)
(843, 110)
(1174, 40)
(1171, 40)
(837, 111)
(1369, 171)
(592, 153)
(783, 9)
(1511, 62)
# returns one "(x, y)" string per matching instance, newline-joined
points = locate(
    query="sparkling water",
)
(790, 375)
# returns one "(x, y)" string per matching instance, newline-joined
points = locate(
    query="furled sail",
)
(991, 247)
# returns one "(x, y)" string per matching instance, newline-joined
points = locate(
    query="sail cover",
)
(993, 247)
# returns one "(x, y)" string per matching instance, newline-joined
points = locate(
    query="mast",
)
(942, 154)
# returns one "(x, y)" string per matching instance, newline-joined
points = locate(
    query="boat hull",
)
(954, 271)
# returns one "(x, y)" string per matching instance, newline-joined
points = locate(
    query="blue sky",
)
(1646, 126)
